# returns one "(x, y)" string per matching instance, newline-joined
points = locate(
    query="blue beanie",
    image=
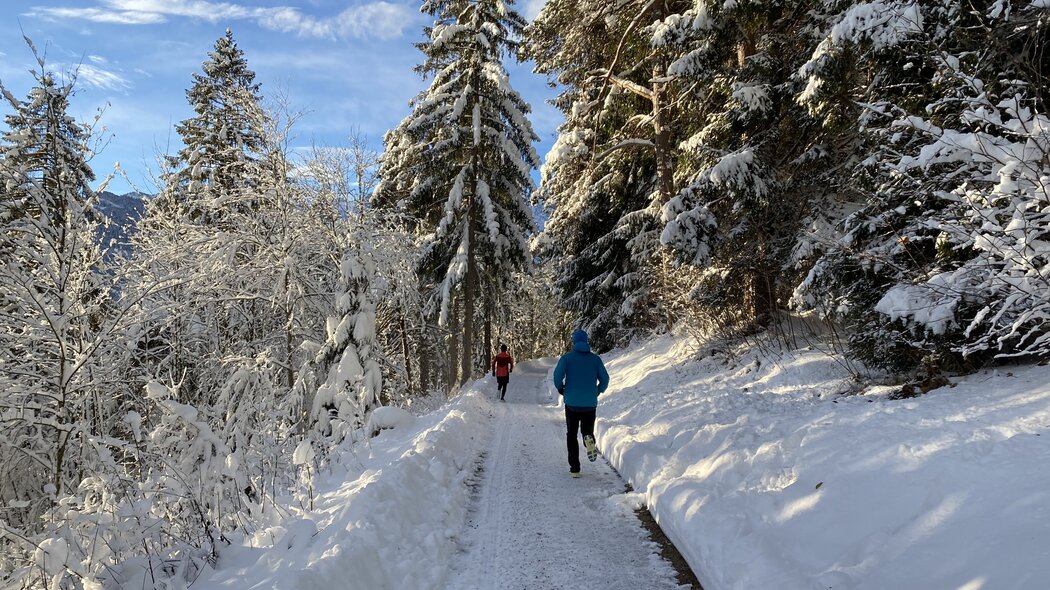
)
(579, 336)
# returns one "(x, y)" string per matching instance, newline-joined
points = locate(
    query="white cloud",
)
(99, 15)
(97, 77)
(202, 9)
(380, 19)
(376, 19)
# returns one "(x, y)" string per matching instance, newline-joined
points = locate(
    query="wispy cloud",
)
(376, 19)
(96, 77)
(98, 15)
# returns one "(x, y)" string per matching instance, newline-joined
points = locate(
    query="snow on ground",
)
(407, 511)
(388, 518)
(759, 468)
(765, 476)
(536, 528)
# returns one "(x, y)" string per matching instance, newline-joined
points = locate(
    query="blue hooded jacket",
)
(581, 373)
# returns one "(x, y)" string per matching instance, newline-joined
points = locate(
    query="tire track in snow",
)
(536, 528)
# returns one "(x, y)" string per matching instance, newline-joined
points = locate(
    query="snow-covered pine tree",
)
(223, 140)
(247, 258)
(611, 169)
(460, 162)
(950, 255)
(220, 228)
(348, 360)
(756, 168)
(55, 312)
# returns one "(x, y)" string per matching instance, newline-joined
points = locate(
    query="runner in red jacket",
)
(502, 366)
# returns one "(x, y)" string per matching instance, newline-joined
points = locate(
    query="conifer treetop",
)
(461, 162)
(227, 133)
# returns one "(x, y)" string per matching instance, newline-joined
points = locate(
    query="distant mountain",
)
(124, 211)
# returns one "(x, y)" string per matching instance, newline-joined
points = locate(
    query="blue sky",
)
(344, 63)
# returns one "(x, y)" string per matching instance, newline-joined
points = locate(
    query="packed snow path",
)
(533, 525)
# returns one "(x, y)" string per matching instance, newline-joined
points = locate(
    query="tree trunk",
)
(288, 337)
(61, 417)
(530, 335)
(744, 50)
(424, 360)
(405, 349)
(469, 293)
(763, 286)
(488, 326)
(762, 279)
(453, 345)
(61, 442)
(65, 366)
(500, 337)
(662, 133)
(470, 287)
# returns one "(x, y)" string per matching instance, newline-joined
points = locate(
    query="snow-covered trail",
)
(535, 527)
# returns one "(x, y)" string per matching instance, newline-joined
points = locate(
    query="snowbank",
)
(386, 520)
(389, 417)
(764, 476)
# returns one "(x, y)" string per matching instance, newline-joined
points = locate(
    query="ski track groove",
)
(533, 527)
(492, 545)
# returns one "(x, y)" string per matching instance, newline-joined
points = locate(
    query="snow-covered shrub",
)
(110, 536)
(194, 486)
(388, 418)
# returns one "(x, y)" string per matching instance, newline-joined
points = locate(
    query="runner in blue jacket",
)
(580, 377)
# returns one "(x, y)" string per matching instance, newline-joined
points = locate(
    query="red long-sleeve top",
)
(503, 364)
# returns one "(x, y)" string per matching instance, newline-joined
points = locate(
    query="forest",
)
(725, 168)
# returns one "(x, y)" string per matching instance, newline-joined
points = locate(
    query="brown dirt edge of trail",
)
(668, 551)
(683, 573)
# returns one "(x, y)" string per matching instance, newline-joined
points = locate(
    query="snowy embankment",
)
(765, 475)
(387, 517)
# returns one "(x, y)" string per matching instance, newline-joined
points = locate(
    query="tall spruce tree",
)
(224, 140)
(756, 168)
(612, 167)
(246, 262)
(53, 301)
(461, 161)
(225, 195)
